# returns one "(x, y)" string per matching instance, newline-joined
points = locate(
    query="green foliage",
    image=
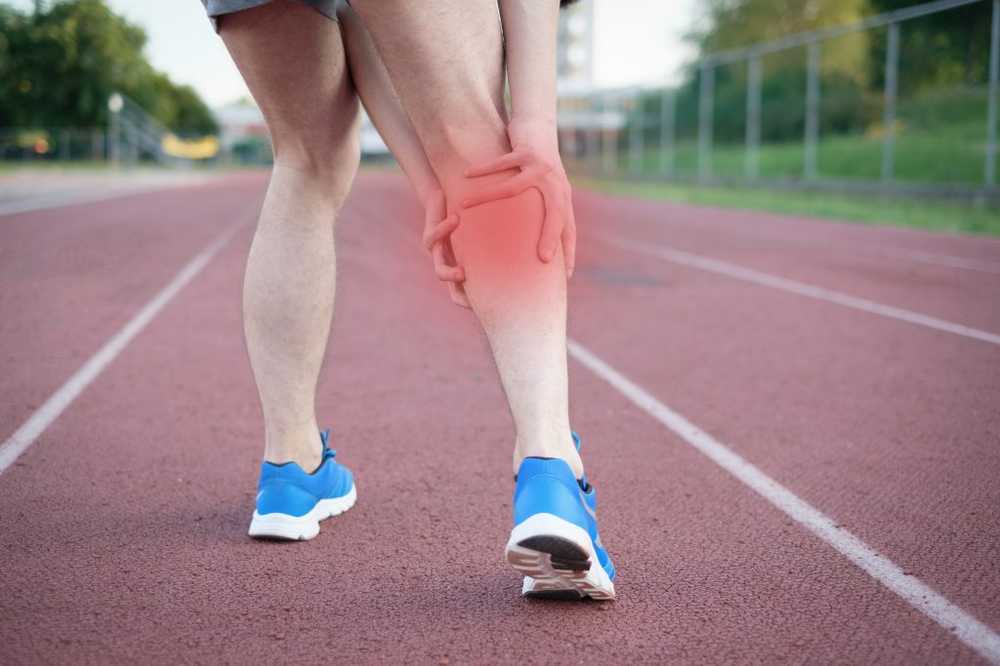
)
(732, 24)
(943, 49)
(59, 66)
(846, 106)
(942, 58)
(939, 140)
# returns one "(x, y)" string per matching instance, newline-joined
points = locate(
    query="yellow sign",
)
(192, 149)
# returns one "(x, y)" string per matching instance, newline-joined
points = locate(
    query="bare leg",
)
(446, 63)
(293, 61)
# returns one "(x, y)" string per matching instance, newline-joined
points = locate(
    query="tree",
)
(58, 66)
(944, 49)
(731, 24)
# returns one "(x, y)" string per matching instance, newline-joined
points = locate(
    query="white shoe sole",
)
(299, 528)
(557, 559)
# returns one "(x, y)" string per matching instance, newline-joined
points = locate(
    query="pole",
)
(812, 111)
(705, 115)
(668, 131)
(889, 114)
(751, 162)
(609, 148)
(991, 116)
(635, 144)
(114, 138)
(593, 137)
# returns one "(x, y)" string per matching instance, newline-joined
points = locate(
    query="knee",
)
(323, 154)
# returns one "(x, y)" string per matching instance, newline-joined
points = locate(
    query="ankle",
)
(304, 449)
(562, 448)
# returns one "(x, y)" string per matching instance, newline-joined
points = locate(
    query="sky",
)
(637, 42)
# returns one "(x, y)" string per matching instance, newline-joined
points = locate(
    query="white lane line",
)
(94, 193)
(57, 403)
(948, 260)
(64, 199)
(801, 288)
(964, 626)
(797, 240)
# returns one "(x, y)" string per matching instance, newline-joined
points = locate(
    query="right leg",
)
(446, 63)
(445, 59)
(293, 62)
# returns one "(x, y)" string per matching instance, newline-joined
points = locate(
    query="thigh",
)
(445, 58)
(292, 59)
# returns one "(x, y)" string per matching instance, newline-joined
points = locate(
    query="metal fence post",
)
(889, 113)
(64, 147)
(991, 116)
(133, 144)
(95, 144)
(592, 146)
(635, 142)
(751, 161)
(114, 149)
(667, 132)
(705, 116)
(609, 147)
(812, 111)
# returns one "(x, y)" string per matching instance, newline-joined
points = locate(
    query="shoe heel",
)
(282, 527)
(557, 556)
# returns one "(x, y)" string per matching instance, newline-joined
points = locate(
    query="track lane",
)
(889, 428)
(75, 275)
(837, 256)
(957, 250)
(158, 460)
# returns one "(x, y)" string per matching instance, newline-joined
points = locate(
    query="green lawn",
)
(940, 138)
(944, 157)
(871, 209)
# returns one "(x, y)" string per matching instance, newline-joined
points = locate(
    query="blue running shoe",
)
(290, 502)
(555, 543)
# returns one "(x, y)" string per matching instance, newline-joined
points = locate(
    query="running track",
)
(794, 426)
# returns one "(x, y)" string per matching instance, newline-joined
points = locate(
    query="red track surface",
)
(122, 529)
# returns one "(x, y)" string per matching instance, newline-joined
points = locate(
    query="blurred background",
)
(808, 106)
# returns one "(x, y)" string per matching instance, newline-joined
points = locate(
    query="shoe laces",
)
(328, 453)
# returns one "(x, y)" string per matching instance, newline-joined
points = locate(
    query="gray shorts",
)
(217, 8)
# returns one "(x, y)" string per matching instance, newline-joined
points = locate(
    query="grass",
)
(940, 138)
(915, 213)
(940, 157)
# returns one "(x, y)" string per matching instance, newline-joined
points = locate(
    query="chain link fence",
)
(806, 111)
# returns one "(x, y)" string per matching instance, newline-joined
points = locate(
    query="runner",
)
(500, 229)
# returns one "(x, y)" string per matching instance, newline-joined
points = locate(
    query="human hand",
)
(535, 151)
(437, 240)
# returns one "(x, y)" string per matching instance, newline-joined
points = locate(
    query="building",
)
(582, 126)
(575, 50)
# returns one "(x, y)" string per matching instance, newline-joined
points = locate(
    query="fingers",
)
(552, 225)
(569, 237)
(458, 295)
(436, 233)
(512, 160)
(445, 272)
(569, 248)
(505, 190)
